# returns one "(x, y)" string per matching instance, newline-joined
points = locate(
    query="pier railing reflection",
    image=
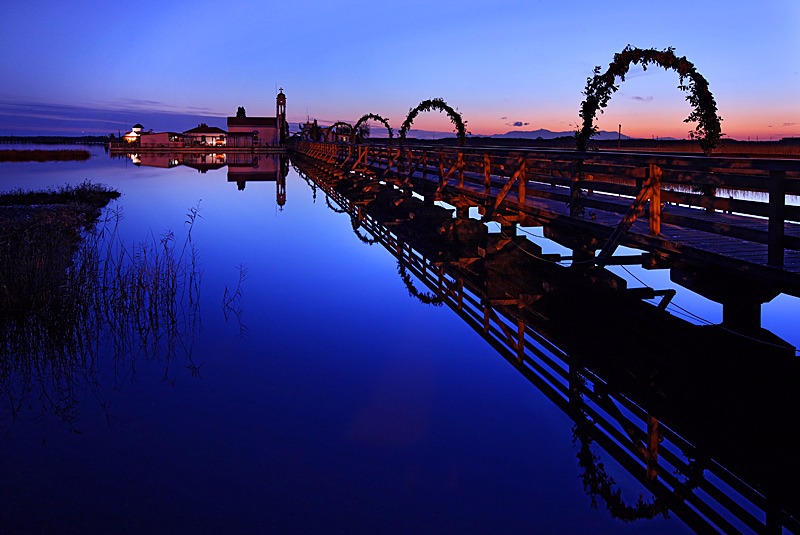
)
(675, 404)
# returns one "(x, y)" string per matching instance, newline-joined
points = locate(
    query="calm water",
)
(336, 403)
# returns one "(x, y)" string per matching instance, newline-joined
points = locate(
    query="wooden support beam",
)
(575, 191)
(390, 161)
(487, 172)
(652, 448)
(629, 260)
(777, 208)
(655, 174)
(505, 189)
(522, 181)
(645, 194)
(362, 155)
(443, 179)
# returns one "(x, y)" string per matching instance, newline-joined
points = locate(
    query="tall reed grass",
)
(49, 155)
(74, 294)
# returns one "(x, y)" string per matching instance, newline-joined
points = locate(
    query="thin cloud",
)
(17, 114)
(144, 102)
(37, 118)
(642, 99)
(517, 124)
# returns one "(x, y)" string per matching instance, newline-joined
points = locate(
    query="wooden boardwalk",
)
(673, 416)
(735, 215)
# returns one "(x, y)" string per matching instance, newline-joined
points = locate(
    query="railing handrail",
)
(698, 161)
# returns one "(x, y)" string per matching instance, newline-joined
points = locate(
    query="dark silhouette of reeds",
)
(39, 155)
(74, 295)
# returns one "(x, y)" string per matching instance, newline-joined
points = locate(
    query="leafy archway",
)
(440, 105)
(600, 87)
(332, 129)
(373, 117)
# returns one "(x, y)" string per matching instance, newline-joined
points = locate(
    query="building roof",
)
(203, 128)
(138, 125)
(252, 121)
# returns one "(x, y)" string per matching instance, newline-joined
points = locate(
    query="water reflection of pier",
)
(715, 222)
(695, 413)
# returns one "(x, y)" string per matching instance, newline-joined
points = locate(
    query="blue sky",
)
(500, 62)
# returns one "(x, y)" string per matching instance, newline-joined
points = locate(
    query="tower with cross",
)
(280, 115)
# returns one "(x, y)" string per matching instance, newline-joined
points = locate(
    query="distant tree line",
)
(56, 140)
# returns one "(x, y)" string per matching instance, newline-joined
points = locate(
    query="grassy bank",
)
(40, 155)
(74, 296)
(86, 193)
(38, 233)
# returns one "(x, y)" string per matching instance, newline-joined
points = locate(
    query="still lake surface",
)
(335, 402)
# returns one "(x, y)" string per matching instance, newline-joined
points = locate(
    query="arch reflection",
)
(697, 414)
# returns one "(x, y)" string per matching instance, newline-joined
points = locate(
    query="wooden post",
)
(522, 180)
(777, 205)
(574, 191)
(652, 448)
(655, 199)
(487, 172)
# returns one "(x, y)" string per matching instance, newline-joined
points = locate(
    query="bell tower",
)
(280, 116)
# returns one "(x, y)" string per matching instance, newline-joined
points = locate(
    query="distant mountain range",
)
(516, 134)
(549, 134)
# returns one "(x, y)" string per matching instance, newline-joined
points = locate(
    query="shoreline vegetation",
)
(85, 194)
(41, 155)
(72, 291)
(55, 140)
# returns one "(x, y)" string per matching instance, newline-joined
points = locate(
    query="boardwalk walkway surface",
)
(738, 216)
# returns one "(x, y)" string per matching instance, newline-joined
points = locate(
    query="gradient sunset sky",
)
(506, 65)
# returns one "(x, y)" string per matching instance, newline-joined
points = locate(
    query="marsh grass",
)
(40, 155)
(74, 295)
(84, 195)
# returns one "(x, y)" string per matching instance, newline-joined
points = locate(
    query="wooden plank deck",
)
(550, 203)
(715, 235)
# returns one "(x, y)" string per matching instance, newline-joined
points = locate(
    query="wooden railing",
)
(752, 191)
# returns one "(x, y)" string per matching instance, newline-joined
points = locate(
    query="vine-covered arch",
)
(373, 117)
(332, 128)
(440, 105)
(600, 87)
